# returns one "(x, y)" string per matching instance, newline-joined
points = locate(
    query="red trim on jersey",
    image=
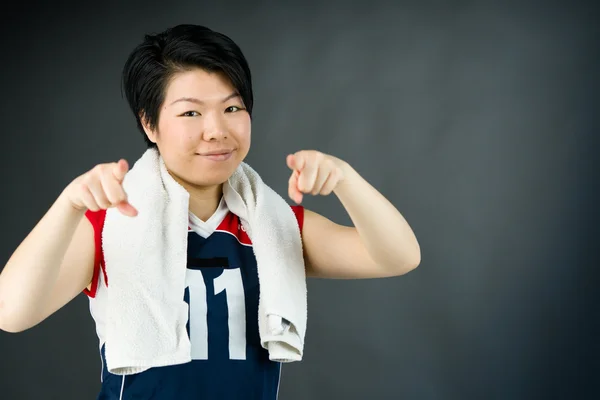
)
(91, 292)
(230, 224)
(97, 218)
(299, 211)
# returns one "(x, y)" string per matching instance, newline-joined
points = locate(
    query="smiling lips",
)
(218, 155)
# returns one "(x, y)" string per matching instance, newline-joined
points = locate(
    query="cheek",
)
(179, 135)
(242, 130)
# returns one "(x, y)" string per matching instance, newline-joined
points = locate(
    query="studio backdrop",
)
(477, 120)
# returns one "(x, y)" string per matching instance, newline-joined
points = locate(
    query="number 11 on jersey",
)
(230, 281)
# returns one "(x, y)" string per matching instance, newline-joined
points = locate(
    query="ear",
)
(150, 132)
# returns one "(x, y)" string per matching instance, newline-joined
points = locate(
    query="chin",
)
(208, 173)
(212, 179)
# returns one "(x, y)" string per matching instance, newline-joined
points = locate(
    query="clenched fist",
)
(313, 172)
(101, 188)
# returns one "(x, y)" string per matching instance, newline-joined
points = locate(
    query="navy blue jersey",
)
(222, 291)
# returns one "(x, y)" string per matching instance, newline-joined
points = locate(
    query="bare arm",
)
(49, 268)
(381, 243)
(55, 262)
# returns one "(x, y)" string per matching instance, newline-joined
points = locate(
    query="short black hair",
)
(153, 62)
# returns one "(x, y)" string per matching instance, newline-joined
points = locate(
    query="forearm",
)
(384, 232)
(32, 270)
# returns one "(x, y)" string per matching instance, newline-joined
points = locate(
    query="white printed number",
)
(229, 281)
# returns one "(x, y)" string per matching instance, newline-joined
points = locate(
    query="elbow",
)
(413, 264)
(398, 268)
(8, 323)
(407, 264)
(407, 257)
(11, 328)
(5, 326)
(414, 258)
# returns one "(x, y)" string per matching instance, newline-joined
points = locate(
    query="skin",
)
(202, 114)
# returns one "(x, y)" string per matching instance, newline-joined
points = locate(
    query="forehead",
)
(200, 84)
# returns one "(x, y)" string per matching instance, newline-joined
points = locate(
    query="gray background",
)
(478, 121)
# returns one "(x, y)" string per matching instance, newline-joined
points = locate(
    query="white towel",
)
(146, 256)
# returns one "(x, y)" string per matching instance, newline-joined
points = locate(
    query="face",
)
(203, 129)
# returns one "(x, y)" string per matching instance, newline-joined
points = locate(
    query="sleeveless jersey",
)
(222, 290)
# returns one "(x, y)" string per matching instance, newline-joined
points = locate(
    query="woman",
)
(190, 91)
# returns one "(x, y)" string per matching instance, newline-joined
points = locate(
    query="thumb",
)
(120, 170)
(295, 162)
(290, 161)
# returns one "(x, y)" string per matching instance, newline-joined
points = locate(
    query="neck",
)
(204, 200)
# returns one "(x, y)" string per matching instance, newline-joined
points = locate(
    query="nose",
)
(215, 127)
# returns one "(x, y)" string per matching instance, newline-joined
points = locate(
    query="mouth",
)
(217, 155)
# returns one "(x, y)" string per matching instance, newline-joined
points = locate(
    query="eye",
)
(233, 109)
(190, 114)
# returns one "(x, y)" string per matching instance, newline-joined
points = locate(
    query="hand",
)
(314, 173)
(101, 188)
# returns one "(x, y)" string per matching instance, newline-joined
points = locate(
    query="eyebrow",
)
(198, 101)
